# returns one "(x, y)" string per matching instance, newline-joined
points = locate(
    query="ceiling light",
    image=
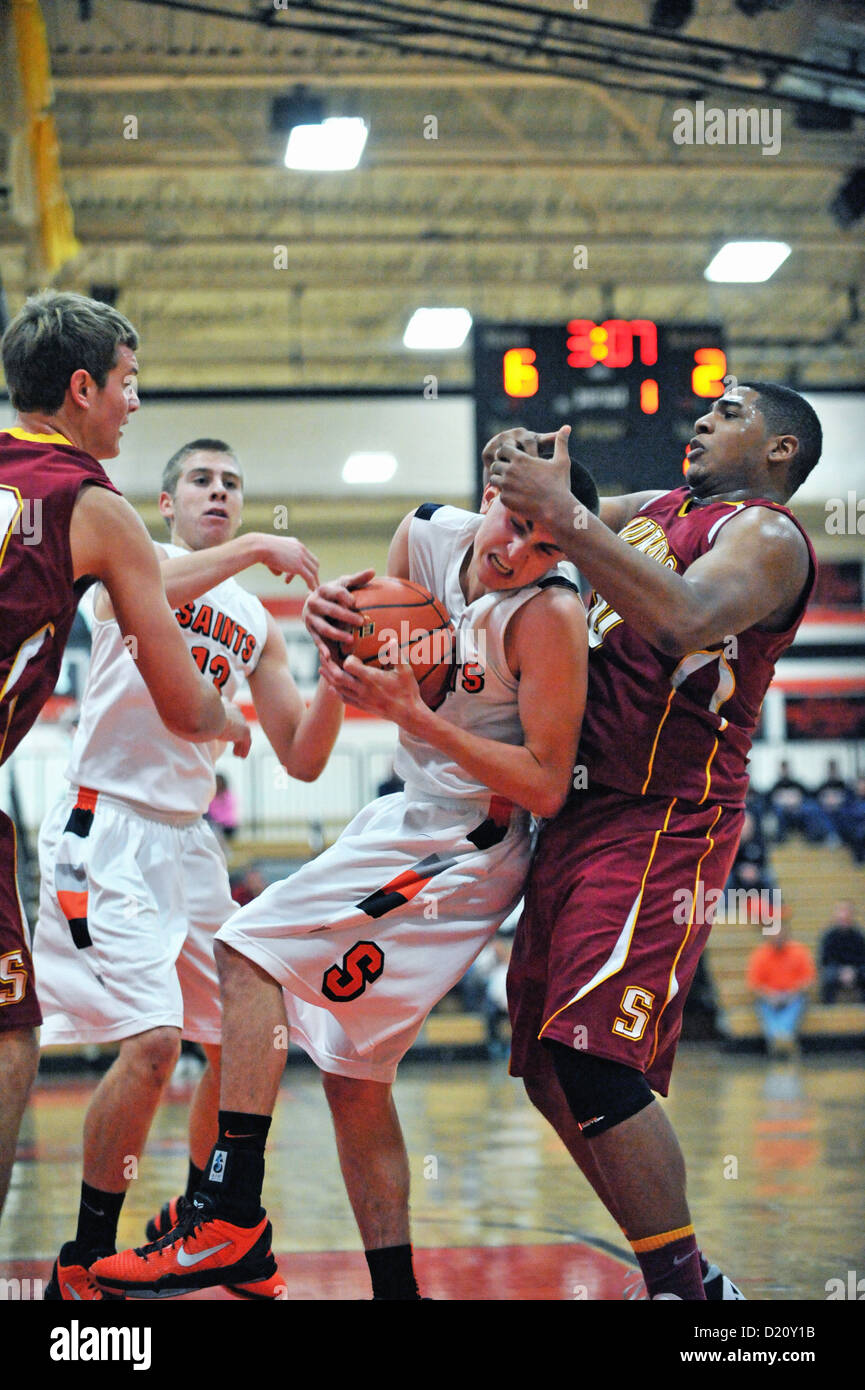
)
(437, 328)
(336, 143)
(747, 262)
(368, 468)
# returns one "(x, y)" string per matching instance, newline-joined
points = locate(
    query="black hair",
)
(786, 412)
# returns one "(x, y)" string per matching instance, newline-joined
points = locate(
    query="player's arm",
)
(301, 738)
(753, 575)
(188, 576)
(549, 648)
(616, 512)
(109, 540)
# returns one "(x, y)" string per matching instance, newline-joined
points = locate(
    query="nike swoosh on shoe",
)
(186, 1260)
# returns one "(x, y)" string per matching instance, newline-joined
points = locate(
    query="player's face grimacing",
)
(207, 503)
(510, 551)
(728, 444)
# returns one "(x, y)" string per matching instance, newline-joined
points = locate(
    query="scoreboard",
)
(630, 389)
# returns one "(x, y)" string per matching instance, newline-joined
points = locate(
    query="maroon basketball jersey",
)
(40, 478)
(677, 726)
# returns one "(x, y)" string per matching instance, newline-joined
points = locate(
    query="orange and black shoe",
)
(72, 1282)
(170, 1214)
(270, 1290)
(200, 1252)
(273, 1287)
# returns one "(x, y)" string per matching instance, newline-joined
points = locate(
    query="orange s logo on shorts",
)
(362, 964)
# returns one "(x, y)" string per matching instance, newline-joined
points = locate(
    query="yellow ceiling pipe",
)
(42, 204)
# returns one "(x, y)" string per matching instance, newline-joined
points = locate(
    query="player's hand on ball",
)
(330, 612)
(288, 556)
(391, 693)
(236, 731)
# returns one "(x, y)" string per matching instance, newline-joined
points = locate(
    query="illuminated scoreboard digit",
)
(631, 390)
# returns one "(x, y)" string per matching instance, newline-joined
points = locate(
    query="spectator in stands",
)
(851, 821)
(842, 954)
(833, 796)
(223, 811)
(796, 808)
(751, 865)
(780, 972)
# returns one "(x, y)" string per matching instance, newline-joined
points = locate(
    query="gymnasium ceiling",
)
(554, 129)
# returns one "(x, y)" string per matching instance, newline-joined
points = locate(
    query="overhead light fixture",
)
(747, 262)
(316, 141)
(671, 14)
(335, 144)
(848, 204)
(368, 468)
(438, 329)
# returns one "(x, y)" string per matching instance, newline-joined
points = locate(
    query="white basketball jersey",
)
(483, 698)
(121, 746)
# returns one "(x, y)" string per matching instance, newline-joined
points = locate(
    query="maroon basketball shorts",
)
(614, 925)
(19, 1007)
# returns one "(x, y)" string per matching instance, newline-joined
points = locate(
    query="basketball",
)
(402, 621)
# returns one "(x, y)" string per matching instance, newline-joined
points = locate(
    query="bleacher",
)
(812, 878)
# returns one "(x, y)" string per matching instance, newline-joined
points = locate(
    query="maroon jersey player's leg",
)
(603, 959)
(615, 924)
(19, 1008)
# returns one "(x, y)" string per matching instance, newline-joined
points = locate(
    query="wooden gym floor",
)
(775, 1151)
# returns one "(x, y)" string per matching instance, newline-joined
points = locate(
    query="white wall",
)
(296, 447)
(842, 466)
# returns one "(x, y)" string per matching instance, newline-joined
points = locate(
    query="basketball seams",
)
(401, 615)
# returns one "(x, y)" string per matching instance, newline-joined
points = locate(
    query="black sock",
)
(98, 1215)
(193, 1181)
(392, 1273)
(234, 1174)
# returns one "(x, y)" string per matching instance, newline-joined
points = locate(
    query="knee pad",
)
(600, 1093)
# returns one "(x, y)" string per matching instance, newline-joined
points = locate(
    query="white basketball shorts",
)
(128, 908)
(366, 938)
